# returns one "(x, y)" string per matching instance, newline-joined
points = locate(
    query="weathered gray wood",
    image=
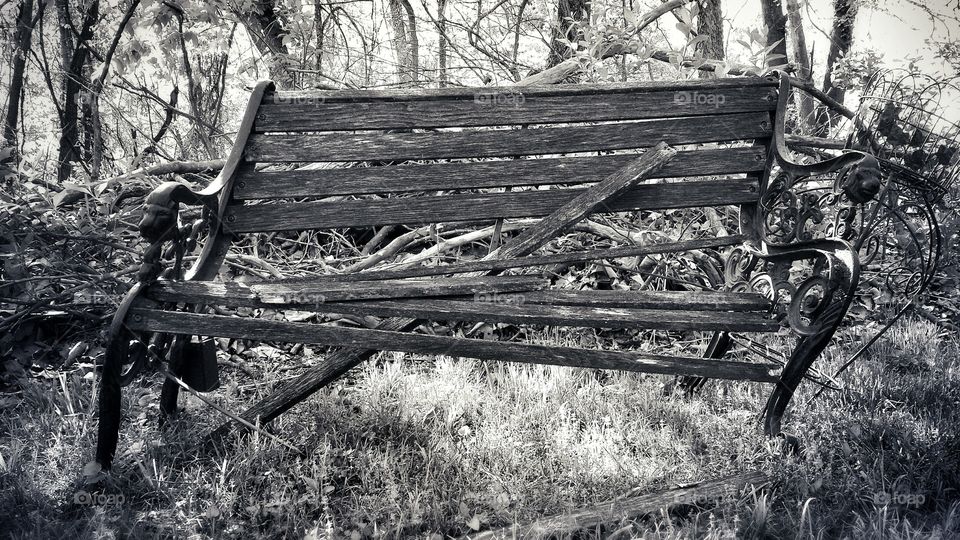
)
(334, 366)
(476, 206)
(565, 90)
(484, 174)
(503, 106)
(513, 309)
(242, 295)
(265, 330)
(625, 508)
(716, 301)
(318, 292)
(599, 196)
(374, 146)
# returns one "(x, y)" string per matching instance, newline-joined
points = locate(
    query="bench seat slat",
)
(662, 300)
(273, 294)
(234, 294)
(484, 174)
(476, 206)
(375, 146)
(504, 310)
(313, 293)
(267, 330)
(502, 106)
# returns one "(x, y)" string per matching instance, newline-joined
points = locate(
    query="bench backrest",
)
(426, 156)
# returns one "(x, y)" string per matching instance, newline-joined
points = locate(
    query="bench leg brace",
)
(718, 347)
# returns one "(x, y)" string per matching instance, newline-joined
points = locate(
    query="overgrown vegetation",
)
(436, 446)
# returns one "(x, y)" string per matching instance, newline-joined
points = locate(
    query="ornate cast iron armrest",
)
(159, 222)
(159, 225)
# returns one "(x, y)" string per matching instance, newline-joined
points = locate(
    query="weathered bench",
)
(481, 156)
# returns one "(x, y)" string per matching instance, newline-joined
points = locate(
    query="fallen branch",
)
(172, 167)
(627, 508)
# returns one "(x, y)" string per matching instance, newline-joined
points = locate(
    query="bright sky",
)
(897, 29)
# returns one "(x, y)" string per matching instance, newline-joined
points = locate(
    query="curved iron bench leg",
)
(112, 380)
(845, 277)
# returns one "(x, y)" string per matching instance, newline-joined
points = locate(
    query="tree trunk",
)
(801, 58)
(775, 23)
(841, 40)
(569, 14)
(710, 24)
(414, 41)
(74, 62)
(267, 31)
(442, 37)
(22, 39)
(405, 43)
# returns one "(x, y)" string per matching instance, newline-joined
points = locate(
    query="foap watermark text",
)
(699, 98)
(85, 498)
(499, 298)
(884, 498)
(501, 97)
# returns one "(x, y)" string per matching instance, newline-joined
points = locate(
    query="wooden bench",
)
(478, 157)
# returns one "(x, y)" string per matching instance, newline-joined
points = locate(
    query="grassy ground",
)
(431, 448)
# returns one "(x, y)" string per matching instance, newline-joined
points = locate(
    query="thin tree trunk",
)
(405, 43)
(22, 40)
(710, 24)
(400, 44)
(570, 13)
(841, 41)
(515, 51)
(74, 62)
(775, 23)
(442, 37)
(801, 58)
(414, 41)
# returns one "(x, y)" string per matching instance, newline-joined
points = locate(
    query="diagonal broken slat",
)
(262, 330)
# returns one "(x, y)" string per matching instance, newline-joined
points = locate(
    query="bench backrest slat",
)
(501, 143)
(495, 107)
(477, 206)
(484, 174)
